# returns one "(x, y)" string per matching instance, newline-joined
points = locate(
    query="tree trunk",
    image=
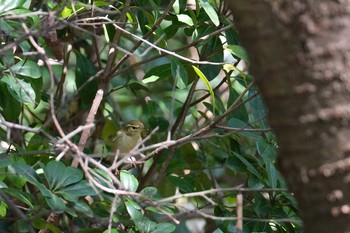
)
(300, 56)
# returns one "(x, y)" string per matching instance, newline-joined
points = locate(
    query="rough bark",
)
(300, 56)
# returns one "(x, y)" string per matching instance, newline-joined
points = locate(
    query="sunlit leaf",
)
(129, 181)
(206, 82)
(19, 89)
(209, 9)
(7, 5)
(238, 51)
(185, 19)
(26, 68)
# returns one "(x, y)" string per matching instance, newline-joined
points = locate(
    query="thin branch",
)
(139, 43)
(212, 191)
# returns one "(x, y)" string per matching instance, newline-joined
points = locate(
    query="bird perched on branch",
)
(128, 137)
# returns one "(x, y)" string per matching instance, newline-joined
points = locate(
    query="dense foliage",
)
(177, 67)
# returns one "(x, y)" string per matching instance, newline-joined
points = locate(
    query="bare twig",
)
(89, 120)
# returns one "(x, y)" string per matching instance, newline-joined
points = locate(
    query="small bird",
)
(128, 137)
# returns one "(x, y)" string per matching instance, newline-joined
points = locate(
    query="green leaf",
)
(164, 227)
(26, 198)
(27, 68)
(134, 213)
(31, 176)
(37, 85)
(176, 7)
(212, 51)
(151, 79)
(83, 208)
(249, 166)
(161, 122)
(106, 231)
(73, 192)
(185, 19)
(55, 202)
(161, 71)
(258, 109)
(239, 113)
(11, 107)
(210, 12)
(19, 89)
(236, 123)
(202, 182)
(87, 87)
(145, 225)
(58, 175)
(266, 150)
(3, 209)
(149, 191)
(2, 185)
(27, 172)
(129, 181)
(238, 51)
(184, 184)
(206, 82)
(7, 5)
(179, 73)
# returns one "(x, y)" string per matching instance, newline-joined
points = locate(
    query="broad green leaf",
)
(7, 5)
(31, 176)
(134, 213)
(266, 150)
(272, 175)
(19, 89)
(240, 113)
(185, 19)
(2, 185)
(25, 197)
(107, 231)
(66, 12)
(250, 166)
(87, 87)
(14, 179)
(211, 51)
(27, 172)
(37, 85)
(3, 209)
(129, 181)
(164, 227)
(145, 225)
(209, 9)
(176, 7)
(259, 110)
(38, 223)
(184, 184)
(149, 191)
(151, 79)
(202, 182)
(26, 68)
(4, 161)
(238, 51)
(161, 71)
(132, 19)
(179, 73)
(83, 208)
(73, 192)
(59, 176)
(55, 202)
(206, 82)
(239, 124)
(161, 122)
